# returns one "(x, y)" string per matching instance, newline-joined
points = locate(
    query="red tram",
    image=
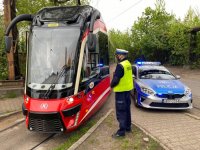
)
(67, 76)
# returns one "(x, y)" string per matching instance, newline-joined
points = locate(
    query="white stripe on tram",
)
(96, 102)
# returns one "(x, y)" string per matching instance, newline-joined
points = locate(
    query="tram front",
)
(61, 67)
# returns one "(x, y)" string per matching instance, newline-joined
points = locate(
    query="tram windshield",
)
(51, 57)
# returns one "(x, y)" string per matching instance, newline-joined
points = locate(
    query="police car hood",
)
(165, 86)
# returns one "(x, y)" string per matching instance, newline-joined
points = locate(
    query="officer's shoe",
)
(128, 130)
(117, 135)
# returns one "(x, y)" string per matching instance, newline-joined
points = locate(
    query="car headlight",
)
(147, 91)
(187, 91)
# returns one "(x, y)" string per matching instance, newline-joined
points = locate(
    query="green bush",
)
(3, 58)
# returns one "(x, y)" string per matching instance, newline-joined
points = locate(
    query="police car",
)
(156, 87)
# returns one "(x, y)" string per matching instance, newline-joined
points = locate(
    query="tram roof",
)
(64, 13)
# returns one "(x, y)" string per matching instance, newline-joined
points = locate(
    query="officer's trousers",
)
(123, 112)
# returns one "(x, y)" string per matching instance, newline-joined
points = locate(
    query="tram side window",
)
(92, 59)
(86, 68)
(89, 66)
(103, 49)
(95, 55)
(100, 56)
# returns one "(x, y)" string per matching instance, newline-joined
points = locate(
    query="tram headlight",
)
(70, 100)
(27, 100)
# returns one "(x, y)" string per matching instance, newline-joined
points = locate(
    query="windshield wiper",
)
(64, 69)
(48, 92)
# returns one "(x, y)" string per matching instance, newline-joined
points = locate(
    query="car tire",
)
(136, 98)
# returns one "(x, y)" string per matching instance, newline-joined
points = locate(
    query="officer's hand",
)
(113, 74)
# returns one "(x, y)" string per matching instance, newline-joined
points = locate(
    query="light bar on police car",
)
(148, 63)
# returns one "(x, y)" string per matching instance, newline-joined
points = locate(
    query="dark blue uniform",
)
(122, 102)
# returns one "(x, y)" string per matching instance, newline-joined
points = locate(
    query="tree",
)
(159, 36)
(119, 40)
(9, 14)
(33, 6)
(191, 20)
(3, 61)
(150, 33)
(178, 43)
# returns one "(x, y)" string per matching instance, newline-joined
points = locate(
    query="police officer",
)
(122, 84)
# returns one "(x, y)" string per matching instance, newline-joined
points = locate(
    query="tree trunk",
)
(10, 56)
(15, 37)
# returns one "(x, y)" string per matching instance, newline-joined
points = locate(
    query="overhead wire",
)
(125, 10)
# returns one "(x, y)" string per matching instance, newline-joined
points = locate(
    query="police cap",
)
(121, 52)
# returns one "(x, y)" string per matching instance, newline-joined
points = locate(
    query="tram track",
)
(10, 120)
(17, 122)
(43, 141)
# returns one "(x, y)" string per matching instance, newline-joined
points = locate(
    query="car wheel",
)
(136, 98)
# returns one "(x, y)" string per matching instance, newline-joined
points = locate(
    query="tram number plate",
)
(171, 101)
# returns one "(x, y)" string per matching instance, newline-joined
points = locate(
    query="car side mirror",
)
(8, 41)
(92, 40)
(178, 77)
(134, 77)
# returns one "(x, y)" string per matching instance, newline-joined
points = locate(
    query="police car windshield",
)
(156, 74)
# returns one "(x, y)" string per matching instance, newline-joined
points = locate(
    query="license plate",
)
(171, 101)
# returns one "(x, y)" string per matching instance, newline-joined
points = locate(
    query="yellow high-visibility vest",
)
(126, 82)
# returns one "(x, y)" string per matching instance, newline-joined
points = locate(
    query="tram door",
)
(95, 69)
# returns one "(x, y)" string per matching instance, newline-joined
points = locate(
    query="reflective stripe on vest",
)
(126, 82)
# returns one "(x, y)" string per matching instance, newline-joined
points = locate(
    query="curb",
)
(14, 124)
(150, 135)
(9, 114)
(192, 116)
(89, 132)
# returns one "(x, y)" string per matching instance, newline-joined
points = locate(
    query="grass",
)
(76, 135)
(9, 95)
(133, 140)
(125, 144)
